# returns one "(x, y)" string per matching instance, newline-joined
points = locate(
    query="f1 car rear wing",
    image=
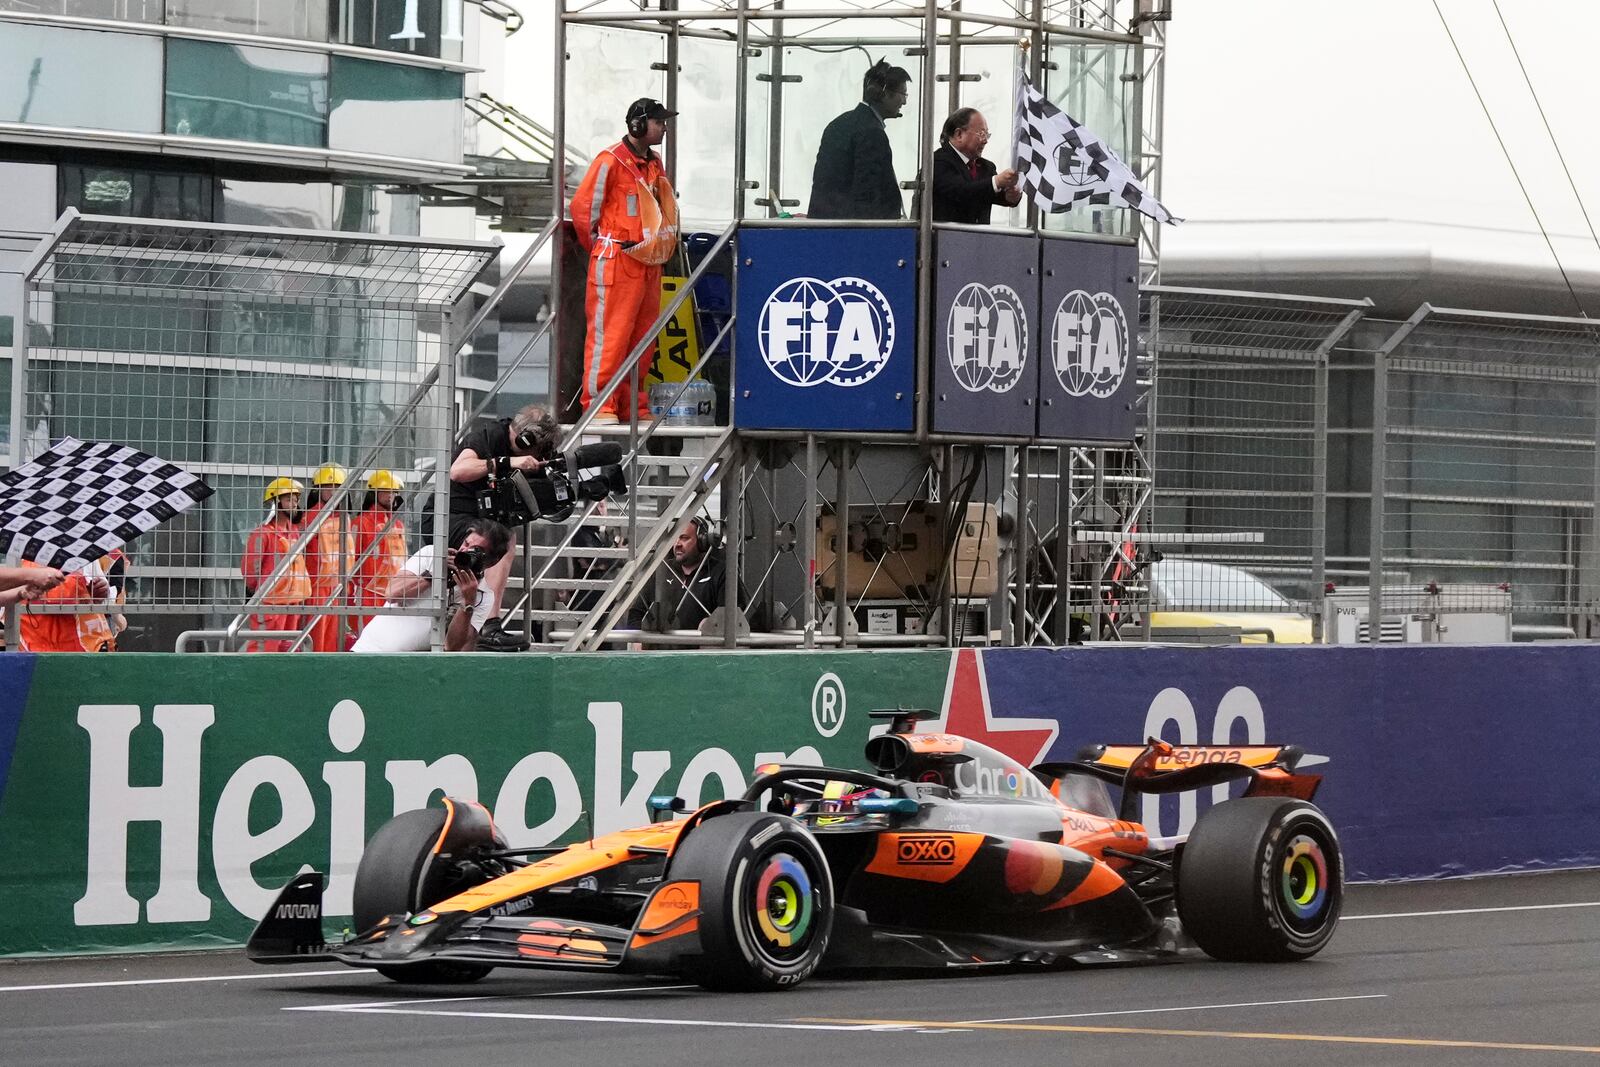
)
(1161, 767)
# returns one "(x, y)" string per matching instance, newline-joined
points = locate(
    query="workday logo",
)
(837, 332)
(986, 338)
(1089, 343)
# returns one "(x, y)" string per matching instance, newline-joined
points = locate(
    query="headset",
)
(528, 438)
(705, 533)
(879, 77)
(638, 117)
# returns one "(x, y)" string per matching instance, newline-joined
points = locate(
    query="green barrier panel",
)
(159, 801)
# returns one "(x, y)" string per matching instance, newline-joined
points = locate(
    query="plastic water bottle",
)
(696, 407)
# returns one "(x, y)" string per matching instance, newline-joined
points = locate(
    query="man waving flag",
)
(1061, 162)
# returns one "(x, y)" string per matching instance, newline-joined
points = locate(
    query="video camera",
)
(588, 472)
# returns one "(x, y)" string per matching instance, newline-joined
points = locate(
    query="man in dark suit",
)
(854, 175)
(965, 185)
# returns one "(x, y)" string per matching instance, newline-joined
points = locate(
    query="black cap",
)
(647, 108)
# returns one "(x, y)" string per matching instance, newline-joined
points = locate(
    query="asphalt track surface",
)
(1481, 971)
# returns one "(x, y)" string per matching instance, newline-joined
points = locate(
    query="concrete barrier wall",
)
(158, 801)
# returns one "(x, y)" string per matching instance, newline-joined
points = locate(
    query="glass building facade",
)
(326, 115)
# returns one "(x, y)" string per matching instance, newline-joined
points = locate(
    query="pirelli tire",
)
(1261, 879)
(766, 901)
(395, 876)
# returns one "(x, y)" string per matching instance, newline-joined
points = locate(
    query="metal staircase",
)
(580, 577)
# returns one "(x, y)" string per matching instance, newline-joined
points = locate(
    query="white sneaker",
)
(605, 418)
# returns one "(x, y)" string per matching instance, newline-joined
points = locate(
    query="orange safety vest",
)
(372, 577)
(54, 633)
(267, 544)
(625, 205)
(324, 561)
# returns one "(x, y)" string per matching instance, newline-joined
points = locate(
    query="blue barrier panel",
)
(16, 675)
(1089, 304)
(985, 333)
(1438, 761)
(827, 329)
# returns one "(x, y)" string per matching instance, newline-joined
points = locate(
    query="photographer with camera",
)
(484, 543)
(525, 442)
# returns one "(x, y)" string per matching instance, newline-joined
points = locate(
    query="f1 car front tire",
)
(1261, 879)
(395, 876)
(766, 901)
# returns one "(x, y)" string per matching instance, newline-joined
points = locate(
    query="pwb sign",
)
(825, 351)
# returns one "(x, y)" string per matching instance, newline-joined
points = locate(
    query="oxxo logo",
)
(986, 338)
(816, 332)
(1089, 343)
(828, 704)
(930, 851)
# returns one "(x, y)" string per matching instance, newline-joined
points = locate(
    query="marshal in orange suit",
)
(626, 218)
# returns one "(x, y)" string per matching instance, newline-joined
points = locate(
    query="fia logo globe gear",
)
(1089, 342)
(986, 338)
(815, 332)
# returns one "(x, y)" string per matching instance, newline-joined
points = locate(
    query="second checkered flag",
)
(1062, 162)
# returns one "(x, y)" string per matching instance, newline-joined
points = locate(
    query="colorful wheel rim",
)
(1304, 880)
(784, 904)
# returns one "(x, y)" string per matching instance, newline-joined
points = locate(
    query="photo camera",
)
(588, 472)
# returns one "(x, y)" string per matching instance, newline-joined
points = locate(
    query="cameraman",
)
(484, 543)
(528, 438)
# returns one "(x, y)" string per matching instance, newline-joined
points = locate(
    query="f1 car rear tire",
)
(766, 901)
(394, 876)
(1261, 879)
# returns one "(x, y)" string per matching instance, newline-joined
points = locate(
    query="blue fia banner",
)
(985, 333)
(1089, 303)
(827, 329)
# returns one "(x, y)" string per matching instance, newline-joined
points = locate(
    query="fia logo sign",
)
(1089, 344)
(816, 332)
(986, 338)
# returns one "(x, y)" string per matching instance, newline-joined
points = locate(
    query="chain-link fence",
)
(1488, 426)
(1239, 446)
(244, 355)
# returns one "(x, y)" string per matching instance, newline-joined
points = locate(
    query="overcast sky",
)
(1352, 109)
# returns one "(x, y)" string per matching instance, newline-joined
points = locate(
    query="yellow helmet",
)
(282, 487)
(331, 474)
(385, 480)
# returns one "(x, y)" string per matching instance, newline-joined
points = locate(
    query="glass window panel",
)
(830, 69)
(306, 20)
(120, 10)
(701, 137)
(1086, 82)
(158, 409)
(42, 78)
(378, 209)
(418, 27)
(993, 94)
(297, 205)
(29, 203)
(616, 58)
(395, 110)
(247, 94)
(94, 190)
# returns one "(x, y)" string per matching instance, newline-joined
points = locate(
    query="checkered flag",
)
(1061, 162)
(81, 499)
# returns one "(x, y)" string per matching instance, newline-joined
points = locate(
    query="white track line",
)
(1189, 1007)
(179, 981)
(1470, 911)
(631, 1020)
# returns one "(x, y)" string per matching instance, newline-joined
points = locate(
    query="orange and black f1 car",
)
(947, 854)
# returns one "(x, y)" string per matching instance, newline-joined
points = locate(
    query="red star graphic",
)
(967, 714)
